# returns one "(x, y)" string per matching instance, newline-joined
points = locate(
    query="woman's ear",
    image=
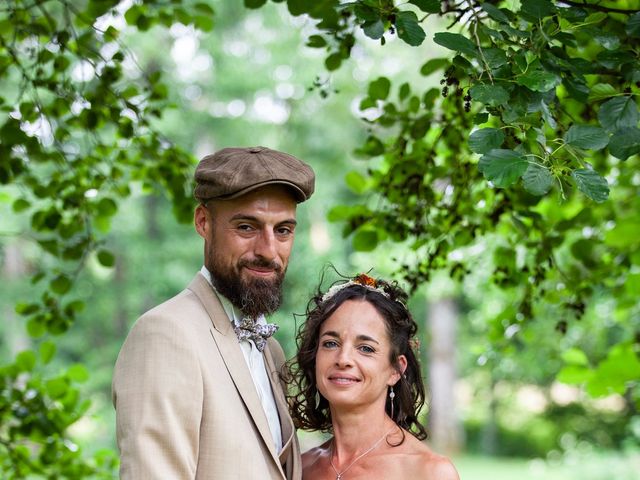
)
(401, 366)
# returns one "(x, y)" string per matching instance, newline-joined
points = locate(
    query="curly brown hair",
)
(390, 301)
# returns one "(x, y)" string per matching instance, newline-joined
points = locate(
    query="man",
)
(196, 386)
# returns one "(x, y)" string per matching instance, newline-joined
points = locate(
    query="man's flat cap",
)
(231, 172)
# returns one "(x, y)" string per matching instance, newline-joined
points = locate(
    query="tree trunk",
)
(445, 430)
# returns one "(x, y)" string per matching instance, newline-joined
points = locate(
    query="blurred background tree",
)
(491, 168)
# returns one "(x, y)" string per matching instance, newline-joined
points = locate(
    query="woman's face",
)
(352, 362)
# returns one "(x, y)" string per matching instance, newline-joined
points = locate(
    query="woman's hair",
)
(390, 301)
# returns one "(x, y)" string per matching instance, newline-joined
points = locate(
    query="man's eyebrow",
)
(251, 218)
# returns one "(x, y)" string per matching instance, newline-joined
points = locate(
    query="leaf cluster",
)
(77, 132)
(534, 124)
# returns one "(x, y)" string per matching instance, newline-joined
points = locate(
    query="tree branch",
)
(598, 8)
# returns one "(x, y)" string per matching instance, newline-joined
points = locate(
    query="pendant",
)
(339, 477)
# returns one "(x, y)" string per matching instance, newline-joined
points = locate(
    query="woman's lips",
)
(343, 379)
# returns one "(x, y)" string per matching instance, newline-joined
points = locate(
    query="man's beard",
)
(254, 297)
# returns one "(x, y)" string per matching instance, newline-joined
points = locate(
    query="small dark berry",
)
(445, 91)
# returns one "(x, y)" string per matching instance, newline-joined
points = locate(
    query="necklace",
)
(369, 450)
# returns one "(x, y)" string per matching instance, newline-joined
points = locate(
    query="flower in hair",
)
(362, 279)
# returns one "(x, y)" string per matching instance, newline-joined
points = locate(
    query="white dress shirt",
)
(255, 362)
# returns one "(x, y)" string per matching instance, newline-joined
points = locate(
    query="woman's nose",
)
(343, 357)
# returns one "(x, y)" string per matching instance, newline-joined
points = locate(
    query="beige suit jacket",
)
(186, 405)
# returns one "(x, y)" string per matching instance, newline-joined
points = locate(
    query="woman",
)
(357, 376)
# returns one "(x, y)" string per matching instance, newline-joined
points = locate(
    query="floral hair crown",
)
(362, 279)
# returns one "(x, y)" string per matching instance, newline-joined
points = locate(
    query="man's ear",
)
(202, 221)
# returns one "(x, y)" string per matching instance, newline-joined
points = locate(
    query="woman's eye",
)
(367, 349)
(329, 344)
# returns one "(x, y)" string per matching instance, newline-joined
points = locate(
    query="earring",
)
(392, 395)
(317, 400)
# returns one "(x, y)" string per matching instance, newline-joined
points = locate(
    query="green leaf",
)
(485, 139)
(502, 167)
(374, 30)
(625, 234)
(356, 182)
(379, 88)
(333, 61)
(493, 95)
(537, 9)
(587, 136)
(495, 57)
(47, 351)
(365, 239)
(625, 142)
(60, 284)
(35, 328)
(131, 16)
(575, 356)
(78, 373)
(27, 308)
(433, 65)
(591, 184)
(106, 258)
(409, 29)
(456, 42)
(107, 207)
(494, 12)
(601, 91)
(574, 374)
(613, 374)
(608, 40)
(617, 113)
(26, 361)
(633, 25)
(427, 6)
(254, 3)
(57, 387)
(539, 80)
(537, 180)
(316, 41)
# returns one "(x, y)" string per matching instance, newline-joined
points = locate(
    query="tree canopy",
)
(518, 142)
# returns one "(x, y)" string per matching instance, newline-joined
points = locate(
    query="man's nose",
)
(265, 245)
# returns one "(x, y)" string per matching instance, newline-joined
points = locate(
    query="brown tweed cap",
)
(231, 172)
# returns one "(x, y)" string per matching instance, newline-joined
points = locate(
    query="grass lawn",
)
(607, 466)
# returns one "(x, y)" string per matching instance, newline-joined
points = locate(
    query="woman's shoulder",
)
(428, 464)
(311, 456)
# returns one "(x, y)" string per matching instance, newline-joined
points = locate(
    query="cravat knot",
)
(249, 329)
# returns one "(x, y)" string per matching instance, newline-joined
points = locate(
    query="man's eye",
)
(285, 231)
(244, 227)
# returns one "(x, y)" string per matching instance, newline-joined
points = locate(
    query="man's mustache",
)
(261, 263)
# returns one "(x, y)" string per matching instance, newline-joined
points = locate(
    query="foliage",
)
(76, 133)
(531, 140)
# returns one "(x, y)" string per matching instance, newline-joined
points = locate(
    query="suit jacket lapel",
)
(227, 342)
(286, 424)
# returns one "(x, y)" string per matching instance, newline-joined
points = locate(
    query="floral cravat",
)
(249, 329)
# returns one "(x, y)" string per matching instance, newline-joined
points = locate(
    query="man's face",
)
(248, 241)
